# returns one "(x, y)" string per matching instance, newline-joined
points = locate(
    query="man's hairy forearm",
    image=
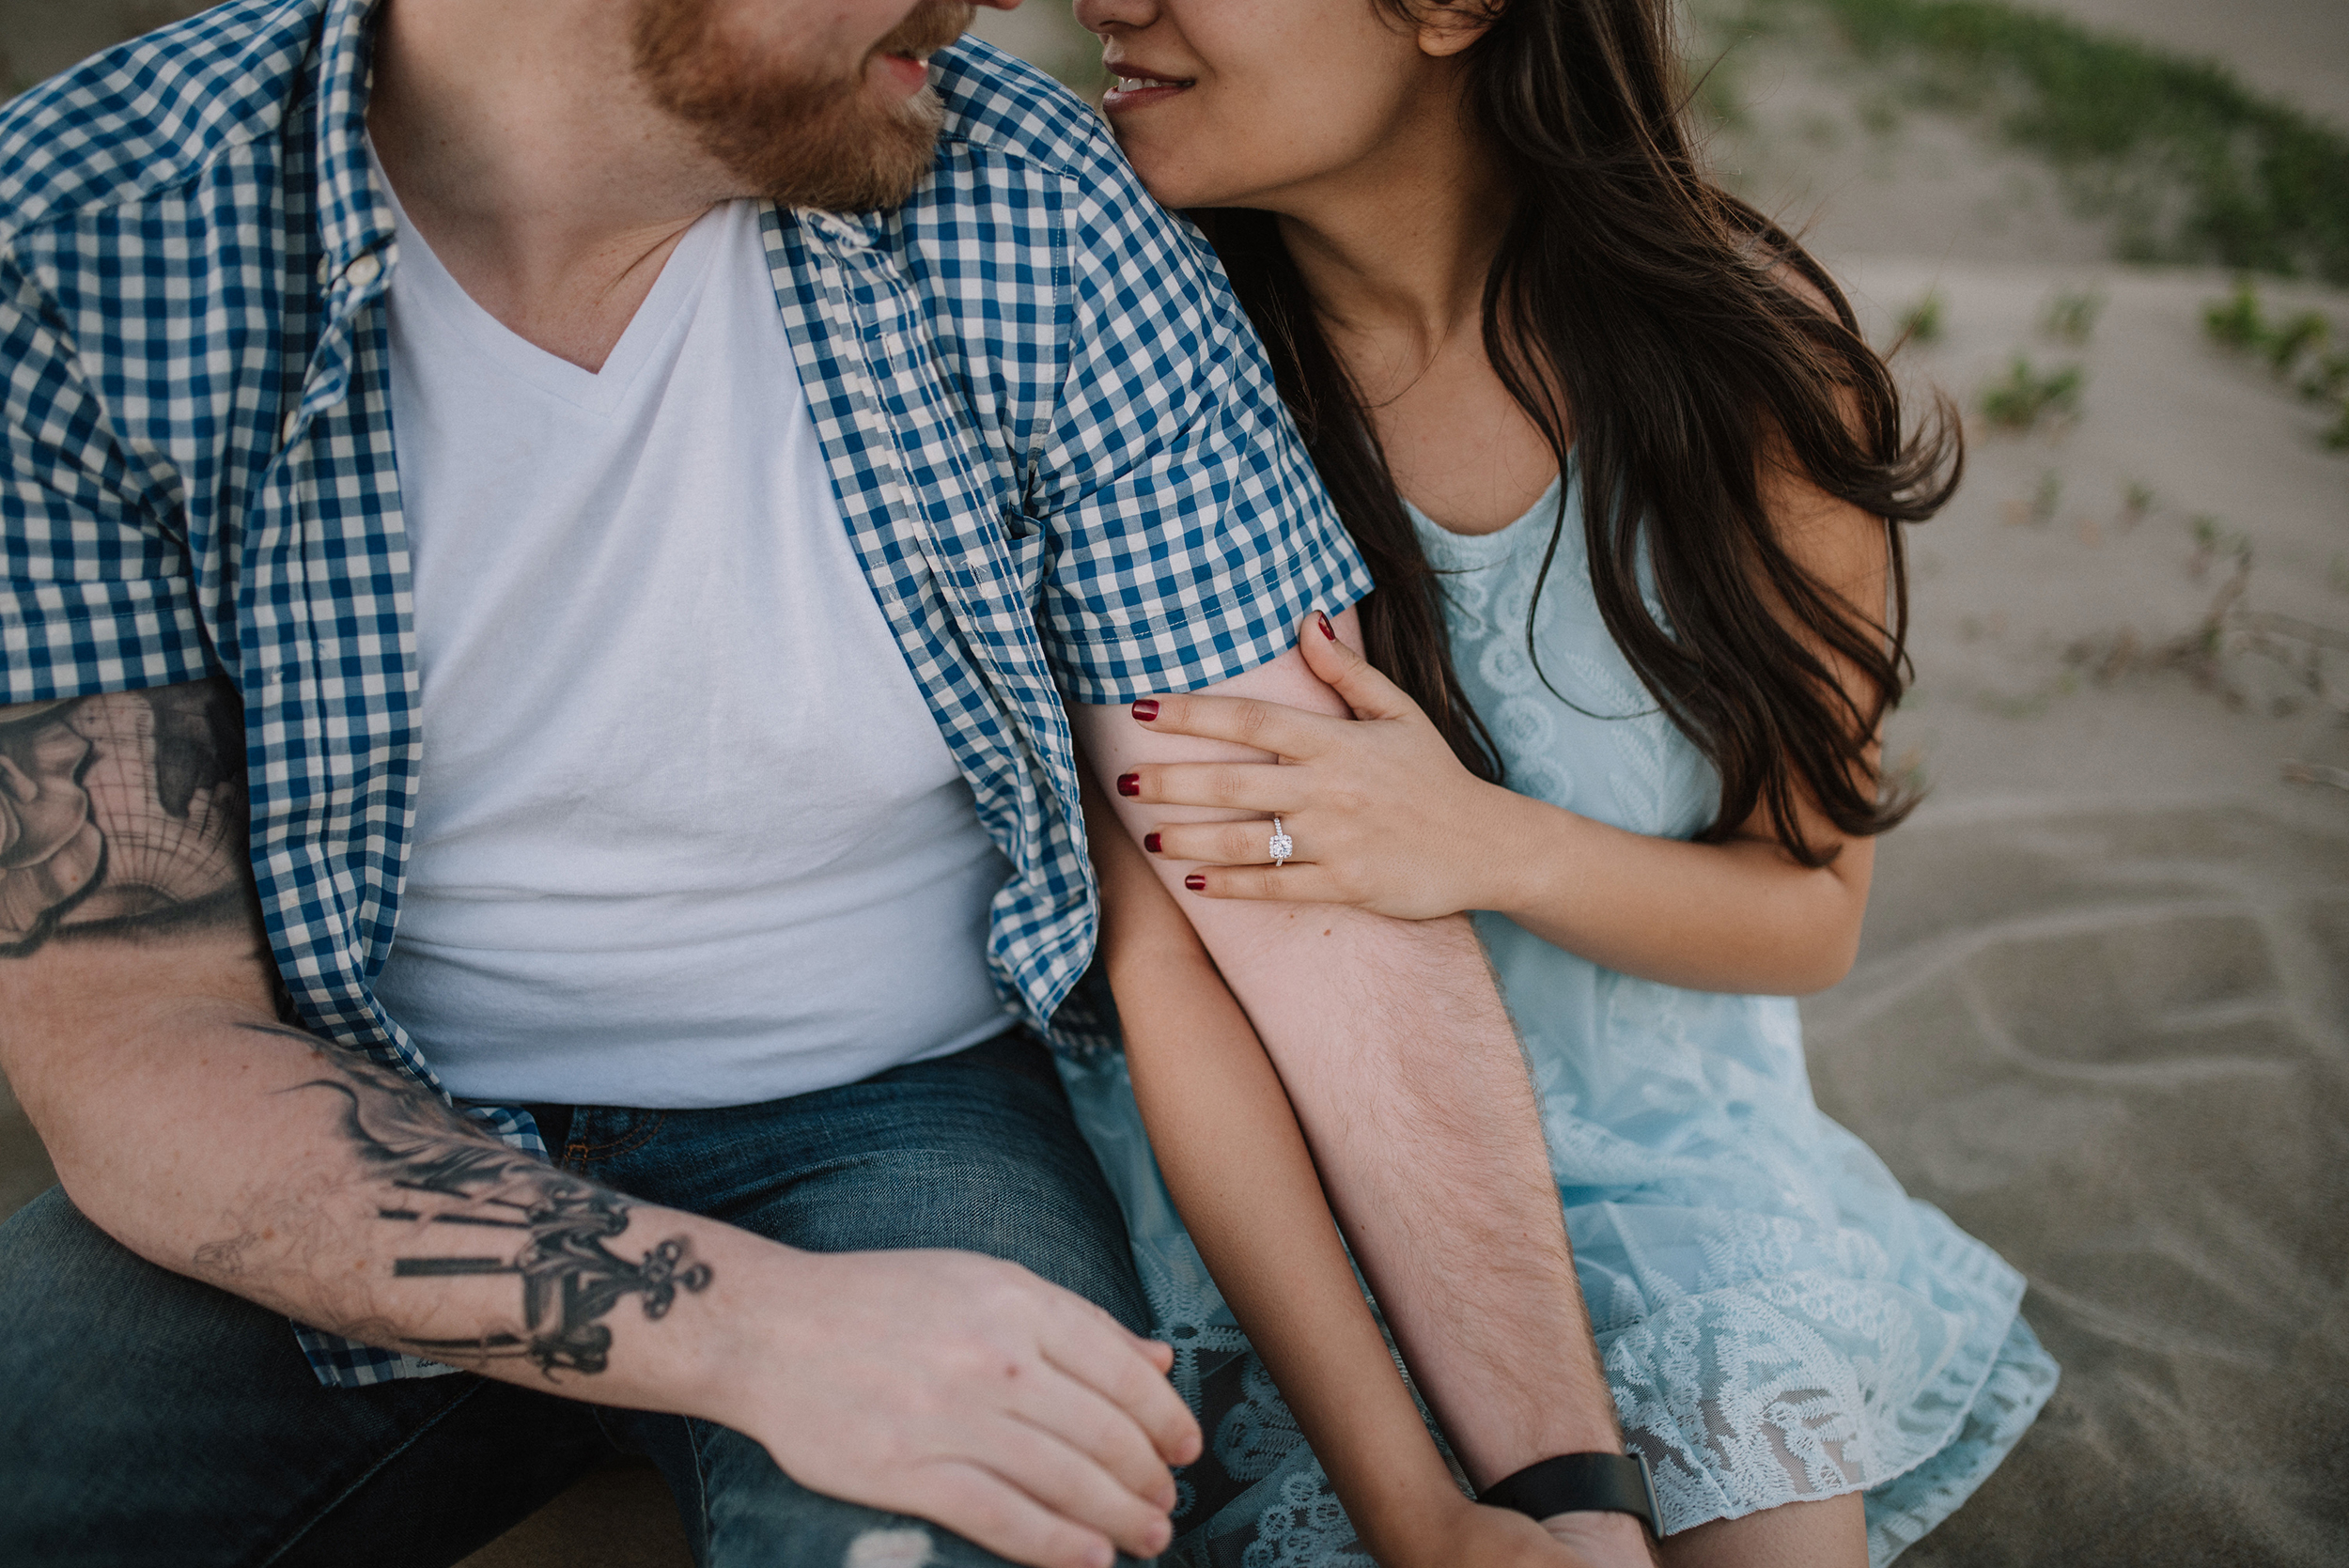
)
(1237, 1166)
(1406, 1077)
(1408, 1082)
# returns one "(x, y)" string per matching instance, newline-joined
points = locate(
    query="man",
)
(544, 542)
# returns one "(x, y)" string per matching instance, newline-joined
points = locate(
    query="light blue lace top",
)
(1778, 1320)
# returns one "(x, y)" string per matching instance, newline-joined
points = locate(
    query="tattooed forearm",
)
(120, 814)
(451, 1184)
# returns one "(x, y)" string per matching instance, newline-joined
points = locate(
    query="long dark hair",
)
(1638, 305)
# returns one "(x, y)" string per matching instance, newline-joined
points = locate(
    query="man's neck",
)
(527, 152)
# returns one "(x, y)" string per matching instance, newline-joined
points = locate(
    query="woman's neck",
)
(1394, 251)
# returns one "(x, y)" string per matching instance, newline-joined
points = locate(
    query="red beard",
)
(800, 138)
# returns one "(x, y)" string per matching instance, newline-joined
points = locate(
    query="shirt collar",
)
(355, 216)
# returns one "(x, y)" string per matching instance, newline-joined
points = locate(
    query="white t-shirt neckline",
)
(662, 317)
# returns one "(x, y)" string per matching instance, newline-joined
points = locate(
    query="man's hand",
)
(972, 1393)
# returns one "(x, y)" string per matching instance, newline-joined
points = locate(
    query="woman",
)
(1629, 483)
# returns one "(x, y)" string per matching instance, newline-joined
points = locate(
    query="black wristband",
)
(1579, 1482)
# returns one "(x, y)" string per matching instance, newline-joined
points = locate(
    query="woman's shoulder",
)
(1840, 545)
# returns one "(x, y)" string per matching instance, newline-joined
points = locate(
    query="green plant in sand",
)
(2071, 315)
(2214, 541)
(2292, 338)
(2239, 323)
(2326, 380)
(2193, 165)
(2029, 395)
(2236, 321)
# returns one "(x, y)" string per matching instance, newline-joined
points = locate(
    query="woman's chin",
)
(1176, 182)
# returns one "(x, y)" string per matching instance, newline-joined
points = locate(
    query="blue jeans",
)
(145, 1418)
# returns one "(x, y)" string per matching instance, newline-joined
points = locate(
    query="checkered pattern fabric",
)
(1054, 440)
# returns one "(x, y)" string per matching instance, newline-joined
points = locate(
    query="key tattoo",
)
(460, 1178)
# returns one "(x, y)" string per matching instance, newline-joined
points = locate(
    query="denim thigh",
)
(977, 1151)
(148, 1417)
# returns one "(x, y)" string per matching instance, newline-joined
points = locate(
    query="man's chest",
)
(639, 619)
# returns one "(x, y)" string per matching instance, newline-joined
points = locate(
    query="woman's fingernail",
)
(1327, 629)
(1130, 784)
(1195, 882)
(1147, 710)
(1150, 842)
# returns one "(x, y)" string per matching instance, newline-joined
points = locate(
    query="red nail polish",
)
(1150, 842)
(1130, 784)
(1195, 882)
(1327, 629)
(1147, 710)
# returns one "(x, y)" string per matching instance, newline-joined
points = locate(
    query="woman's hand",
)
(1473, 1536)
(1381, 813)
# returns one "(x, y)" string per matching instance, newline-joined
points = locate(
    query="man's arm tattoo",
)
(450, 1179)
(121, 814)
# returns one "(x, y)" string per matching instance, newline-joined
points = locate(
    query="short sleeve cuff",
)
(74, 639)
(1182, 636)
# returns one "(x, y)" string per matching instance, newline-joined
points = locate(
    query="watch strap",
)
(1579, 1483)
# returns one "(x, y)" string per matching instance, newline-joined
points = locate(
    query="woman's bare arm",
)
(1384, 817)
(1237, 1163)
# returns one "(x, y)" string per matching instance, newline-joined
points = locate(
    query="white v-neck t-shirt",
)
(687, 833)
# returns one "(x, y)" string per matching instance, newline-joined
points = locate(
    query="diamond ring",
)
(1282, 845)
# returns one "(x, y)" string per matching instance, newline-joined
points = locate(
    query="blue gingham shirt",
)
(1054, 440)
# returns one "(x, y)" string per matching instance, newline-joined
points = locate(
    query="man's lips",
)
(907, 73)
(904, 54)
(1138, 85)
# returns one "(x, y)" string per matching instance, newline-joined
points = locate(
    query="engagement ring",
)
(1281, 847)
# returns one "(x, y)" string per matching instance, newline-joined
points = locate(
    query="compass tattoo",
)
(121, 814)
(455, 1181)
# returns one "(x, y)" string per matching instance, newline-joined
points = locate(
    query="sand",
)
(2108, 1040)
(2101, 1014)
(2295, 49)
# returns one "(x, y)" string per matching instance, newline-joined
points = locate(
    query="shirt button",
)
(362, 271)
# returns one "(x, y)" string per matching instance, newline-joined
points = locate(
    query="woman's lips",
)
(1133, 88)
